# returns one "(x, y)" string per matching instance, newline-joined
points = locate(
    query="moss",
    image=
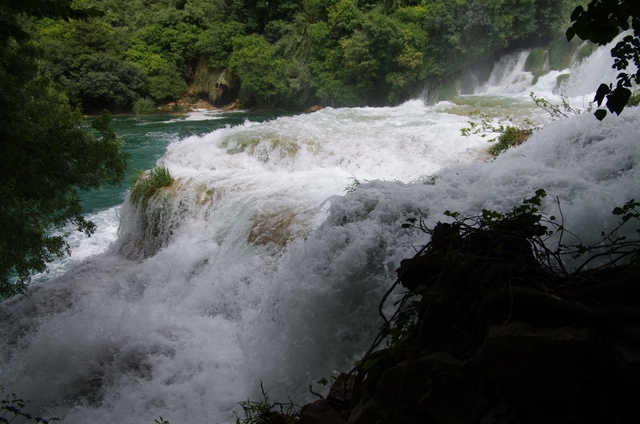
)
(447, 91)
(585, 50)
(535, 63)
(235, 145)
(561, 53)
(275, 227)
(561, 79)
(287, 148)
(209, 81)
(240, 144)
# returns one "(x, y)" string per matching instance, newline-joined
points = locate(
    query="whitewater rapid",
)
(275, 245)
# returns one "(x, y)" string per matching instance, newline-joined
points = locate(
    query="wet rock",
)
(341, 391)
(320, 412)
(628, 361)
(232, 106)
(537, 362)
(435, 388)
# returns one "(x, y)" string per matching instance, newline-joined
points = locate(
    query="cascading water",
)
(256, 265)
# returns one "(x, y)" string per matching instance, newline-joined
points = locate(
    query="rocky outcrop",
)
(488, 334)
(521, 374)
(192, 105)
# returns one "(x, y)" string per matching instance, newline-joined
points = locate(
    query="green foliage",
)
(510, 134)
(511, 137)
(266, 411)
(332, 52)
(47, 156)
(174, 43)
(634, 100)
(251, 53)
(164, 80)
(166, 84)
(106, 81)
(146, 185)
(144, 106)
(353, 186)
(216, 43)
(11, 407)
(600, 23)
(564, 110)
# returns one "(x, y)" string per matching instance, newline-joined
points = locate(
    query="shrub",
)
(511, 137)
(144, 106)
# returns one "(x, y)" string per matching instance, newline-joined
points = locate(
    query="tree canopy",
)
(46, 153)
(329, 52)
(601, 23)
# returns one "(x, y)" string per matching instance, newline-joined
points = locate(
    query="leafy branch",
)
(266, 411)
(564, 110)
(12, 407)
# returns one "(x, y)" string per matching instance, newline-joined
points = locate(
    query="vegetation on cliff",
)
(289, 54)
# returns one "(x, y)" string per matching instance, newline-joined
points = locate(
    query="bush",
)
(144, 106)
(511, 137)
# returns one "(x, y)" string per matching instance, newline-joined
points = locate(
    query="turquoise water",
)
(146, 138)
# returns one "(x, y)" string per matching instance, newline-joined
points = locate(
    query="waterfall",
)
(257, 264)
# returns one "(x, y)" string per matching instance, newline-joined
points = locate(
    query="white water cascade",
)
(257, 265)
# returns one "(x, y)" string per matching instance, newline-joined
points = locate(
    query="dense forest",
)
(287, 54)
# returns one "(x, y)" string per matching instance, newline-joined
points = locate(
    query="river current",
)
(268, 257)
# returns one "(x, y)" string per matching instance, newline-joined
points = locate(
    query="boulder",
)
(435, 388)
(320, 412)
(537, 362)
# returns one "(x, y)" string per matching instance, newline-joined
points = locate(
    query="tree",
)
(260, 71)
(46, 153)
(107, 81)
(600, 23)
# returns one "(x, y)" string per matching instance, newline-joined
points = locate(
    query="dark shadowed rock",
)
(320, 412)
(537, 362)
(436, 388)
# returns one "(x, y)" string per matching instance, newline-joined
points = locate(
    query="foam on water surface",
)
(263, 268)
